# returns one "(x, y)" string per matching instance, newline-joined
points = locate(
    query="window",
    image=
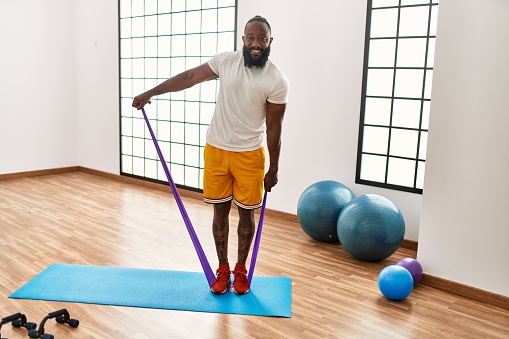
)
(396, 93)
(159, 39)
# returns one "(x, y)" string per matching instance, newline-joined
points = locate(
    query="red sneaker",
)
(240, 283)
(220, 285)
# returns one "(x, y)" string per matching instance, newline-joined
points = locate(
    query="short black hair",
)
(261, 19)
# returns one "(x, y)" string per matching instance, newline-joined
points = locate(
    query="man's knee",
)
(222, 210)
(246, 215)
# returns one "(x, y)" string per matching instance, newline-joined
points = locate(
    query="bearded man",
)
(251, 103)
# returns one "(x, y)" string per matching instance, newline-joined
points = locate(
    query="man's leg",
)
(220, 230)
(245, 232)
(218, 190)
(248, 170)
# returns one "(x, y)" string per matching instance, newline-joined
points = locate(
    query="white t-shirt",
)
(238, 123)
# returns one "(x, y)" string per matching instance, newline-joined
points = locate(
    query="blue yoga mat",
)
(172, 290)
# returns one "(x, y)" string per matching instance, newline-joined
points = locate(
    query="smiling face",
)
(257, 42)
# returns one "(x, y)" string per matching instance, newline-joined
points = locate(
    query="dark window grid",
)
(167, 162)
(143, 177)
(167, 57)
(170, 100)
(422, 102)
(177, 12)
(363, 99)
(157, 119)
(174, 143)
(391, 186)
(185, 56)
(422, 93)
(392, 156)
(120, 87)
(167, 159)
(177, 34)
(168, 120)
(145, 130)
(400, 67)
(155, 100)
(147, 137)
(184, 121)
(392, 94)
(364, 87)
(185, 95)
(396, 127)
(162, 142)
(399, 37)
(431, 3)
(396, 156)
(132, 89)
(402, 98)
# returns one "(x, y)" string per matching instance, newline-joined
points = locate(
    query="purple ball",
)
(413, 266)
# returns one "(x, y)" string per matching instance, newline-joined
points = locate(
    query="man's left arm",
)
(274, 122)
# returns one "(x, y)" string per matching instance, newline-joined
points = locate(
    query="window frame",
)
(229, 5)
(418, 159)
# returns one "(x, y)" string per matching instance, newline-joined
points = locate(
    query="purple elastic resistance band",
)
(194, 238)
(257, 239)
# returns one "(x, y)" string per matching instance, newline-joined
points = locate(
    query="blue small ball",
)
(395, 282)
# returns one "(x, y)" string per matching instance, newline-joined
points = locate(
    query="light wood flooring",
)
(80, 218)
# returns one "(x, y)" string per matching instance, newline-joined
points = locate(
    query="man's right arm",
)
(177, 83)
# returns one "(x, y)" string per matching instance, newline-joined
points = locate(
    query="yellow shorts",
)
(234, 175)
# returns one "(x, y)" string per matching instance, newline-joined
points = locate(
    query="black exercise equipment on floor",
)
(60, 316)
(17, 320)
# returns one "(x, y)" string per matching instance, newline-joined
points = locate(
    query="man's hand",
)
(141, 100)
(270, 180)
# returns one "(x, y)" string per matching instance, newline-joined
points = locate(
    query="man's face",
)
(257, 42)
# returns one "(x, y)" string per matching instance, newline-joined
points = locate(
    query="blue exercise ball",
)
(371, 227)
(319, 207)
(395, 282)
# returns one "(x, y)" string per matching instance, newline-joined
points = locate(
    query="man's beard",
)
(249, 61)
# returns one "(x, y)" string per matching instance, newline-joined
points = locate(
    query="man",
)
(252, 99)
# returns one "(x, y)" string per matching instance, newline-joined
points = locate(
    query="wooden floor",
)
(80, 218)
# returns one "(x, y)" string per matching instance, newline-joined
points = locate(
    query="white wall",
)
(98, 84)
(464, 232)
(38, 121)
